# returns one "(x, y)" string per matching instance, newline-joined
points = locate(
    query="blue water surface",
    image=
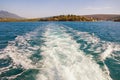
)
(105, 31)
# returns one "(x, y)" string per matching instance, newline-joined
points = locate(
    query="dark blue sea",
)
(59, 50)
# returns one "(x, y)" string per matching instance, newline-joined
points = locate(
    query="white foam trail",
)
(107, 52)
(62, 59)
(108, 47)
(21, 52)
(18, 58)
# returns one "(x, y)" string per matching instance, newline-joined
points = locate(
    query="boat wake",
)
(63, 60)
(56, 52)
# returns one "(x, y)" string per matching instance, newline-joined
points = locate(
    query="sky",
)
(45, 8)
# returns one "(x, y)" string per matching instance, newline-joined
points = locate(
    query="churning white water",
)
(63, 60)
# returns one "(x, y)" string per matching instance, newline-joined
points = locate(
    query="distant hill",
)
(67, 18)
(116, 19)
(103, 16)
(10, 17)
(94, 17)
(5, 14)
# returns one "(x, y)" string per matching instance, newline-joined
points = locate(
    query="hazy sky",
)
(42, 8)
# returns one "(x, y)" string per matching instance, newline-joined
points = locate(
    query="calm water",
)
(59, 51)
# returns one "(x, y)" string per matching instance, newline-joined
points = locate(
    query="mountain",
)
(5, 14)
(103, 16)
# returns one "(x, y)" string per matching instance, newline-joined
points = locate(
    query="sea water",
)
(59, 51)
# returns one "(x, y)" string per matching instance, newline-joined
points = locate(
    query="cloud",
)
(97, 8)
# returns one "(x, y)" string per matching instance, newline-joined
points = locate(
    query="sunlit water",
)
(59, 51)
